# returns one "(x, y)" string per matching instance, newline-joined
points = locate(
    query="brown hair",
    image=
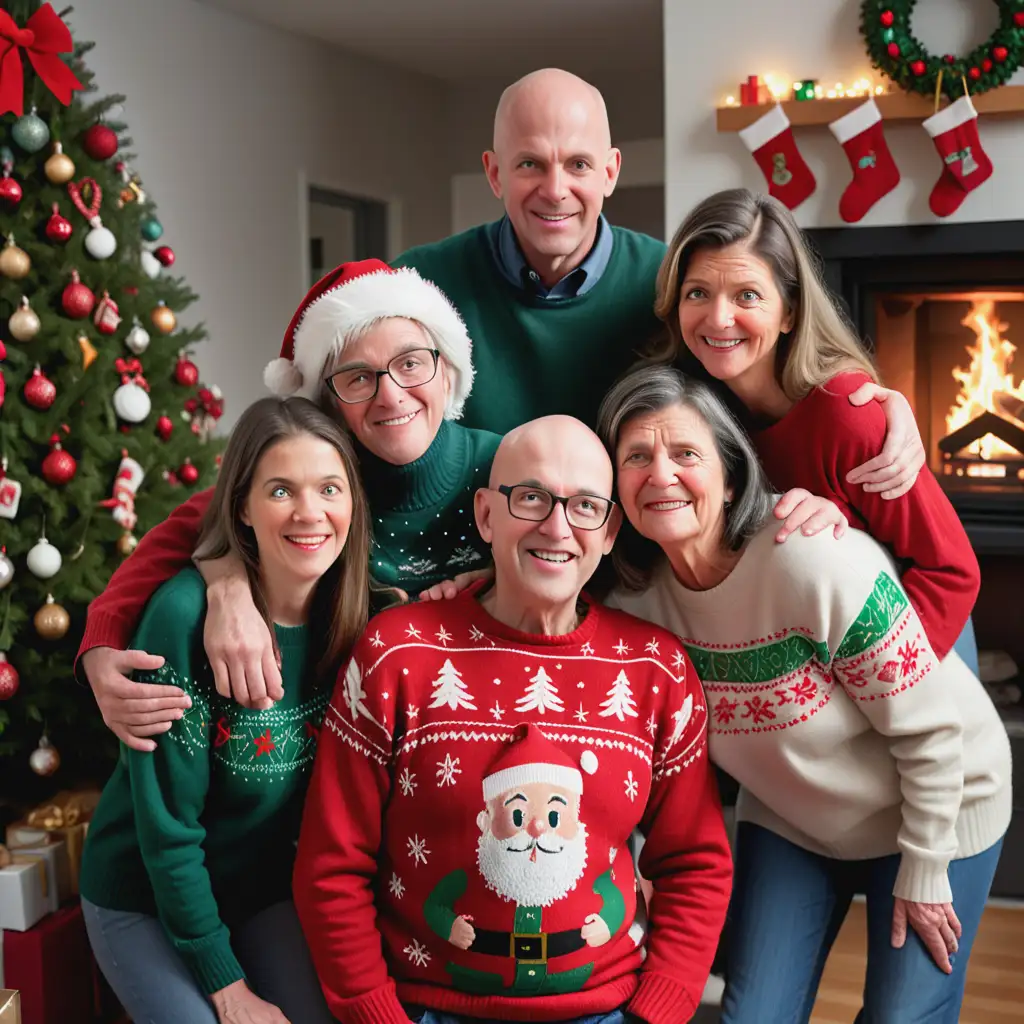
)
(341, 602)
(821, 343)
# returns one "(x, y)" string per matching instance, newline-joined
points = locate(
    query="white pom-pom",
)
(588, 761)
(282, 377)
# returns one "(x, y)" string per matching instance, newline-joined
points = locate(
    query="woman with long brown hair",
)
(186, 878)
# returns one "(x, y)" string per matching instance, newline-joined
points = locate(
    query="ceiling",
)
(460, 40)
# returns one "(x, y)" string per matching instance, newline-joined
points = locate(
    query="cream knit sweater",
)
(829, 708)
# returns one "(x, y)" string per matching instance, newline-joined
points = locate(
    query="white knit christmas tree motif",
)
(450, 689)
(541, 695)
(620, 703)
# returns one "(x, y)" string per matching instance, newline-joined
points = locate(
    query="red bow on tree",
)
(210, 402)
(42, 38)
(124, 366)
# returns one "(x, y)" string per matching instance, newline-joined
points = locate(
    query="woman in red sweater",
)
(740, 289)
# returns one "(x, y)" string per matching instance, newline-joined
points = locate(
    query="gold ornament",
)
(52, 620)
(24, 323)
(60, 168)
(164, 319)
(126, 544)
(88, 352)
(14, 262)
(45, 759)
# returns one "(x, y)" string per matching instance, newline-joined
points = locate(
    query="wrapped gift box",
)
(54, 856)
(10, 1006)
(24, 892)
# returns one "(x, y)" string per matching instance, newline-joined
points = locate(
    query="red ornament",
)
(893, 50)
(9, 680)
(100, 142)
(185, 372)
(10, 190)
(1000, 53)
(58, 228)
(918, 68)
(59, 467)
(40, 391)
(1018, 19)
(974, 74)
(107, 315)
(188, 472)
(164, 427)
(887, 18)
(77, 300)
(986, 65)
(165, 255)
(171, 477)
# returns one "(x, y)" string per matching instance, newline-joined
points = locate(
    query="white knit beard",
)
(532, 883)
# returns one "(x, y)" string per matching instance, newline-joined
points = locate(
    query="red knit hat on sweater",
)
(534, 758)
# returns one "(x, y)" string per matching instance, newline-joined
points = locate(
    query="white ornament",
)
(44, 760)
(131, 403)
(44, 559)
(588, 761)
(100, 243)
(151, 266)
(137, 339)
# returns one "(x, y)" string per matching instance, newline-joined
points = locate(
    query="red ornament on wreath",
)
(77, 300)
(918, 68)
(974, 74)
(40, 392)
(59, 467)
(164, 427)
(188, 472)
(1000, 53)
(186, 373)
(986, 65)
(9, 680)
(58, 228)
(887, 18)
(893, 49)
(100, 142)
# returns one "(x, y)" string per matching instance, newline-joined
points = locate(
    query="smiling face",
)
(671, 480)
(299, 507)
(731, 314)
(552, 166)
(397, 424)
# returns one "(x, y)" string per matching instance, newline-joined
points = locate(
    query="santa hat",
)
(349, 300)
(534, 758)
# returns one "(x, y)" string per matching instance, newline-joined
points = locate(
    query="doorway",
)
(342, 228)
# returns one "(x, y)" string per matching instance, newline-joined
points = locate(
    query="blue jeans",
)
(155, 987)
(787, 908)
(967, 647)
(420, 1016)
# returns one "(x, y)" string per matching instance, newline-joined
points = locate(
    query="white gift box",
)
(58, 869)
(24, 895)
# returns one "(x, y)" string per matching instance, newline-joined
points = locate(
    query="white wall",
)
(228, 118)
(710, 49)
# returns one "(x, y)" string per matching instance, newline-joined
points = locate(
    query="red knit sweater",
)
(818, 442)
(435, 814)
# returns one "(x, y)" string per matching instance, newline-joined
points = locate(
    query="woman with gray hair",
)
(740, 289)
(866, 763)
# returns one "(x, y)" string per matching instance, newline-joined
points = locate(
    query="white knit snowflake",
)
(417, 954)
(418, 848)
(475, 634)
(497, 711)
(652, 646)
(622, 647)
(678, 660)
(447, 770)
(587, 649)
(443, 636)
(407, 782)
(412, 631)
(632, 788)
(396, 886)
(652, 725)
(376, 639)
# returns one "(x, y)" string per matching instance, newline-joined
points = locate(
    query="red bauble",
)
(185, 372)
(974, 74)
(188, 472)
(1000, 53)
(10, 190)
(58, 228)
(77, 300)
(1018, 19)
(40, 391)
(165, 427)
(165, 255)
(887, 18)
(100, 142)
(59, 467)
(949, 58)
(918, 68)
(171, 477)
(986, 65)
(893, 50)
(8, 678)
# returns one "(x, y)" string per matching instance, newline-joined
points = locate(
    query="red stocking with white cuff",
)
(874, 171)
(770, 140)
(965, 164)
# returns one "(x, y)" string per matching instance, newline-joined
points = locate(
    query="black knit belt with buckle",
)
(527, 947)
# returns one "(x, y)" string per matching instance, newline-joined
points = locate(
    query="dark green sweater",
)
(429, 533)
(534, 357)
(201, 833)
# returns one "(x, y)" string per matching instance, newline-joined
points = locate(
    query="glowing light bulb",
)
(831, 94)
(730, 101)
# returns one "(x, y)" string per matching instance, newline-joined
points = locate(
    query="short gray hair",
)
(653, 388)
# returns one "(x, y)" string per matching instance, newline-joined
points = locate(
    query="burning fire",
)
(987, 385)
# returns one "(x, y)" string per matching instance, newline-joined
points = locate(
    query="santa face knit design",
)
(515, 769)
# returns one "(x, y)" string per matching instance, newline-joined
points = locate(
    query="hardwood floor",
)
(995, 977)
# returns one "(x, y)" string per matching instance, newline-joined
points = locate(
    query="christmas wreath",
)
(897, 53)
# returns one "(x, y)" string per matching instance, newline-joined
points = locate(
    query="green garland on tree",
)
(896, 52)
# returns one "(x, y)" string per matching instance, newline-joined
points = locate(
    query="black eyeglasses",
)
(583, 511)
(408, 370)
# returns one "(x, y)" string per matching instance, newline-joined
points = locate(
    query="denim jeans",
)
(421, 1016)
(967, 647)
(155, 987)
(787, 908)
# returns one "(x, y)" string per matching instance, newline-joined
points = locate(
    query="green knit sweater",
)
(201, 833)
(534, 357)
(428, 533)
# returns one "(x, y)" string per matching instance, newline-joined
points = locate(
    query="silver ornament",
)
(6, 570)
(31, 132)
(131, 403)
(44, 559)
(100, 242)
(137, 339)
(45, 759)
(151, 266)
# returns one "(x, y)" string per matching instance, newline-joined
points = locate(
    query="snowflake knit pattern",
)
(489, 780)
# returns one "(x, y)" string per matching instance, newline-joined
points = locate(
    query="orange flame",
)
(986, 380)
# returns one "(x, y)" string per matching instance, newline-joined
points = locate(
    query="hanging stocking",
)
(770, 140)
(874, 170)
(965, 164)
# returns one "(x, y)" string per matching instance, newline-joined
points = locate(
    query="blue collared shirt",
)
(513, 266)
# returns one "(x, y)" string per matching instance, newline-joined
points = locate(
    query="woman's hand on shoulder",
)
(895, 469)
(447, 589)
(238, 1004)
(808, 513)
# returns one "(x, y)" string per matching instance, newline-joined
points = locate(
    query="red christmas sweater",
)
(818, 442)
(465, 839)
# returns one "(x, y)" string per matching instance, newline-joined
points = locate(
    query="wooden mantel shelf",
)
(895, 106)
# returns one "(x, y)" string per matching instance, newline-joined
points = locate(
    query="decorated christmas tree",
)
(104, 424)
